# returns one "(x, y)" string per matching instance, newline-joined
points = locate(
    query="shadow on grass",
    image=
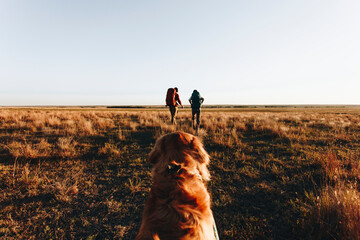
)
(265, 196)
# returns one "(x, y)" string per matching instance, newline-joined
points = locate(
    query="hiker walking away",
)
(196, 100)
(173, 100)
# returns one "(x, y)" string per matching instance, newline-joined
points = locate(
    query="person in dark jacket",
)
(196, 100)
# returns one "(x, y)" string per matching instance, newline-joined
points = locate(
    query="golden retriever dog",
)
(178, 206)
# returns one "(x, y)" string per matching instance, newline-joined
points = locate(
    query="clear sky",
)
(116, 52)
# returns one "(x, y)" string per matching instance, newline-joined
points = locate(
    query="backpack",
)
(170, 97)
(196, 100)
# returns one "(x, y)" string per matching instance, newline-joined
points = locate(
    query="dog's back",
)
(179, 203)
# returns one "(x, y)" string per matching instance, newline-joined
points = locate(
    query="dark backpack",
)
(196, 100)
(170, 97)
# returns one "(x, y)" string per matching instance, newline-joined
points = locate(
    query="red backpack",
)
(170, 97)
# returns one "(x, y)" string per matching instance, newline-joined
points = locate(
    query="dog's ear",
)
(199, 150)
(202, 157)
(153, 157)
(155, 154)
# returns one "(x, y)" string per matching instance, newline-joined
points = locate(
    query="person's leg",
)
(197, 112)
(198, 118)
(193, 117)
(172, 112)
(175, 112)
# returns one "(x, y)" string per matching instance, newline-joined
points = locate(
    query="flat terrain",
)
(277, 173)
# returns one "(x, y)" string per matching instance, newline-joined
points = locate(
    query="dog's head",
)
(180, 152)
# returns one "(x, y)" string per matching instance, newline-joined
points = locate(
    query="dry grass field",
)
(276, 173)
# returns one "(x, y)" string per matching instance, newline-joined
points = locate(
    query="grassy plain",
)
(277, 173)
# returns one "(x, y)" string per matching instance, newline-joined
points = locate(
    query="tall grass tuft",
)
(66, 147)
(336, 214)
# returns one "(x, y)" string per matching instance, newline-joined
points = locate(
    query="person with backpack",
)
(196, 100)
(173, 100)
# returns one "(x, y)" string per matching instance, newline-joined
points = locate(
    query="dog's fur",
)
(179, 204)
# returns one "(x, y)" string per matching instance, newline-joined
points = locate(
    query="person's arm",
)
(202, 100)
(178, 99)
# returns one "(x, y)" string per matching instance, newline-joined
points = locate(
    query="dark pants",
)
(173, 111)
(196, 111)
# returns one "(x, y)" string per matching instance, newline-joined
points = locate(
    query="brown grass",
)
(83, 173)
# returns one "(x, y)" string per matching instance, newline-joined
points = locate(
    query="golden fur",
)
(179, 204)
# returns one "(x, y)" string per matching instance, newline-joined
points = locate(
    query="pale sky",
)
(115, 52)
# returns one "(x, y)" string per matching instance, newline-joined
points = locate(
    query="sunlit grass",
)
(83, 173)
